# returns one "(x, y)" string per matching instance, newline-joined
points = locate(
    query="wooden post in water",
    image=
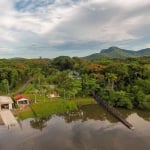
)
(113, 111)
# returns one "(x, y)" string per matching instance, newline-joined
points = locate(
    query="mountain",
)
(116, 52)
(17, 58)
(144, 52)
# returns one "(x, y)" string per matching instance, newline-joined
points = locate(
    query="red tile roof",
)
(19, 96)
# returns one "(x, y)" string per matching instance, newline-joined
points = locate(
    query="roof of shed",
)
(5, 100)
(20, 96)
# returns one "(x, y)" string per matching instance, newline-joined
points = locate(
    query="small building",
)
(74, 75)
(21, 99)
(53, 94)
(5, 102)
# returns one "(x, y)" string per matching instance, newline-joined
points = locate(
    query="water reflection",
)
(39, 123)
(87, 112)
(94, 112)
(144, 114)
(91, 128)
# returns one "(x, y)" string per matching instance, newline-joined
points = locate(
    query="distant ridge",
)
(116, 52)
(17, 58)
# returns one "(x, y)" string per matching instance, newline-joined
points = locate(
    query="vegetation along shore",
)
(60, 84)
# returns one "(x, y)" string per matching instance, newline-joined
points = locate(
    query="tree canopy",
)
(120, 82)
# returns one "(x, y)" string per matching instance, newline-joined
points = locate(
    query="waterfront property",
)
(5, 103)
(21, 99)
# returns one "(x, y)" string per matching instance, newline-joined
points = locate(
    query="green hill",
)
(115, 52)
(144, 52)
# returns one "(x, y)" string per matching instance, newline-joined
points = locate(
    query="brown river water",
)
(91, 128)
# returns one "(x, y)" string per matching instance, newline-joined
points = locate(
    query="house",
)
(21, 99)
(74, 75)
(5, 102)
(53, 94)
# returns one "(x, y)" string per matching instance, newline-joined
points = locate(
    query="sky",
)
(50, 28)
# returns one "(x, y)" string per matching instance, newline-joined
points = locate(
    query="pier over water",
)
(113, 111)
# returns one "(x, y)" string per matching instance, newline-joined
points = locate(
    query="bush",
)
(145, 102)
(120, 99)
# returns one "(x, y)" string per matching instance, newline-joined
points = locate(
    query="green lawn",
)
(48, 107)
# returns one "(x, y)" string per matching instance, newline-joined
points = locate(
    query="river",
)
(91, 128)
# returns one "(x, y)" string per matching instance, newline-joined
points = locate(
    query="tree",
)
(135, 71)
(146, 71)
(111, 78)
(120, 99)
(14, 78)
(121, 71)
(38, 78)
(5, 86)
(68, 86)
(89, 85)
(140, 96)
(63, 63)
(144, 85)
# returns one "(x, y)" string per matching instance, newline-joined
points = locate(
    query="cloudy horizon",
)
(50, 28)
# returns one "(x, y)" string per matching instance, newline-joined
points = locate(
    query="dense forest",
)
(120, 82)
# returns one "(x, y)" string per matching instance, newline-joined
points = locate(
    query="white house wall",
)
(22, 99)
(10, 106)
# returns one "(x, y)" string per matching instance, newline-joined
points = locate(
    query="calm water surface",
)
(91, 128)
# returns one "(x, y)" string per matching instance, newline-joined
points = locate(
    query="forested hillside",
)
(121, 82)
(116, 52)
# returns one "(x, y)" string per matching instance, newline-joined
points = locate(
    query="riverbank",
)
(53, 106)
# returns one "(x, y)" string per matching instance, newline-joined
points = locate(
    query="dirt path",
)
(24, 86)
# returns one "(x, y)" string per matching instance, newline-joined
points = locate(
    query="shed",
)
(5, 102)
(21, 99)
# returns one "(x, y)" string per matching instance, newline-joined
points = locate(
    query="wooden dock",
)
(113, 111)
(8, 118)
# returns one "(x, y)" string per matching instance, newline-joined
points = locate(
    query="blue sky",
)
(50, 28)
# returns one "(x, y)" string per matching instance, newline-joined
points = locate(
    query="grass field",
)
(46, 107)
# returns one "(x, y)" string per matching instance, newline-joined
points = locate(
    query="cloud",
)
(67, 27)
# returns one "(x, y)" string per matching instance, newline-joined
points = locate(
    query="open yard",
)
(46, 107)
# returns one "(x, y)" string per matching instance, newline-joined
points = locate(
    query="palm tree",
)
(111, 77)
